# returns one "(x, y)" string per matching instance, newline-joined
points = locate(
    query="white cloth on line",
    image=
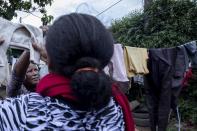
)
(117, 60)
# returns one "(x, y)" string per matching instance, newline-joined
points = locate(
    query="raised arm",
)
(22, 64)
(18, 75)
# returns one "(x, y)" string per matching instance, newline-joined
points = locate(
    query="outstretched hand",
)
(1, 40)
(41, 50)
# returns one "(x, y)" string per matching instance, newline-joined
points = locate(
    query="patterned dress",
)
(34, 112)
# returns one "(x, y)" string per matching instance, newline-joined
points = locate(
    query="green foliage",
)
(8, 8)
(165, 23)
(46, 19)
(188, 101)
(188, 111)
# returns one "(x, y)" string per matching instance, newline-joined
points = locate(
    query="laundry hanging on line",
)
(116, 68)
(127, 62)
(164, 76)
(135, 61)
(163, 84)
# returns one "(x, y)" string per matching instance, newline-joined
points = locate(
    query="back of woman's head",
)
(78, 41)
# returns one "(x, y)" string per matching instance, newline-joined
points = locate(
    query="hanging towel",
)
(117, 65)
(17, 36)
(136, 61)
(191, 48)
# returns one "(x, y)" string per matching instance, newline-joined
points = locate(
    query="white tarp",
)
(17, 36)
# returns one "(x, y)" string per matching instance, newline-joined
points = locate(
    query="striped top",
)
(34, 112)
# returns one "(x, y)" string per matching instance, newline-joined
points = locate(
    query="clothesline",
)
(163, 70)
(134, 65)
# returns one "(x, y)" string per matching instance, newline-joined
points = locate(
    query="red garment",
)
(54, 85)
(186, 78)
(122, 100)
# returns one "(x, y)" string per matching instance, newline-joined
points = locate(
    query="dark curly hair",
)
(77, 41)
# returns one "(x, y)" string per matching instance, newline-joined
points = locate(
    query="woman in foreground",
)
(76, 94)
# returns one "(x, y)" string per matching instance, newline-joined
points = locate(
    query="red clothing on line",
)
(186, 78)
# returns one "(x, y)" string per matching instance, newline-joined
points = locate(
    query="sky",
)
(93, 7)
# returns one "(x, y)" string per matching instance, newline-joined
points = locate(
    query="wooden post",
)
(147, 3)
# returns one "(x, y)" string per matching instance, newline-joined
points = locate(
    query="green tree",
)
(170, 23)
(8, 8)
